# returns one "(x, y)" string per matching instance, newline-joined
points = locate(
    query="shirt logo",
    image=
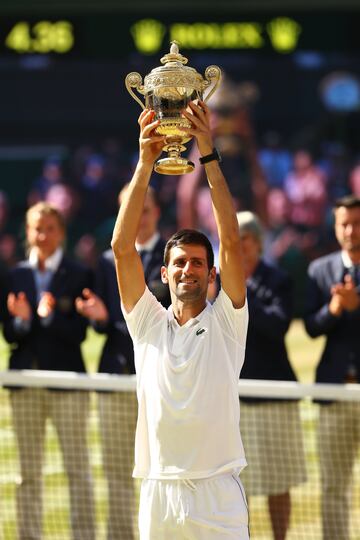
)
(200, 331)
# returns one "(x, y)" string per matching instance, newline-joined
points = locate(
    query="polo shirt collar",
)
(191, 322)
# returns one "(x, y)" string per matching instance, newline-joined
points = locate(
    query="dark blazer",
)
(342, 346)
(269, 295)
(56, 346)
(2, 295)
(117, 355)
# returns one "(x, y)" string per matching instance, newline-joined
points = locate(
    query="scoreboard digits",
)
(41, 37)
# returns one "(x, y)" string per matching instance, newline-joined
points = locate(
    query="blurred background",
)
(287, 114)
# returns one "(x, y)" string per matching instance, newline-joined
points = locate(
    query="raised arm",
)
(230, 253)
(129, 270)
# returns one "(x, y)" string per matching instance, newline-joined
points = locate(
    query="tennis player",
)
(188, 448)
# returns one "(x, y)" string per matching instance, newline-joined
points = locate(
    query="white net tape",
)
(81, 487)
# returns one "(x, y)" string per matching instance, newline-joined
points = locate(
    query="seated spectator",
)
(354, 180)
(66, 199)
(275, 160)
(98, 194)
(286, 246)
(335, 163)
(86, 251)
(305, 188)
(52, 173)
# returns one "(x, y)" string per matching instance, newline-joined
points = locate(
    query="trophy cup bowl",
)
(168, 90)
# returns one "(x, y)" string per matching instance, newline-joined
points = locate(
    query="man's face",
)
(149, 220)
(347, 230)
(44, 233)
(187, 273)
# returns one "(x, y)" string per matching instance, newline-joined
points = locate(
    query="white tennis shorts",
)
(208, 509)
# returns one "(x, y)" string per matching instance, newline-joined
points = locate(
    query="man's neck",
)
(184, 311)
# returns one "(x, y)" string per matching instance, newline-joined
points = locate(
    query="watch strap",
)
(214, 156)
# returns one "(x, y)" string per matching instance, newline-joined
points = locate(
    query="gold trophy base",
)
(173, 165)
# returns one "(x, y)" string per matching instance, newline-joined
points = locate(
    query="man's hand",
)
(46, 305)
(347, 293)
(92, 307)
(336, 304)
(19, 306)
(199, 115)
(150, 144)
(344, 297)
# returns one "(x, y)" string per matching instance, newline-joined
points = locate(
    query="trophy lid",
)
(174, 55)
(174, 73)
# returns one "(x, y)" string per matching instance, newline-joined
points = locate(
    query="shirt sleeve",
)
(233, 321)
(146, 314)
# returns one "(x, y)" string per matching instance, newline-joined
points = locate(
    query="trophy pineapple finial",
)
(174, 55)
(174, 49)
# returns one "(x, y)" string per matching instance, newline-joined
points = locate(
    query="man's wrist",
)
(214, 155)
(144, 164)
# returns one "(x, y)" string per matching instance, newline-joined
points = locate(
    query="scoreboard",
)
(115, 36)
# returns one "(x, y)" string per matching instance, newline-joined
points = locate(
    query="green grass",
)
(304, 352)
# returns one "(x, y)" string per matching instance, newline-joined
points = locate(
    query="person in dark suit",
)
(271, 429)
(45, 332)
(333, 311)
(118, 410)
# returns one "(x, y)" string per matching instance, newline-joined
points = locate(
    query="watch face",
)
(340, 91)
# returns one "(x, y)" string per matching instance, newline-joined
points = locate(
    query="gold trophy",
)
(168, 90)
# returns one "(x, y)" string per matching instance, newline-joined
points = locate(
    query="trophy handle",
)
(212, 75)
(134, 80)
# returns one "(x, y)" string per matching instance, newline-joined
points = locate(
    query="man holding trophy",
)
(188, 449)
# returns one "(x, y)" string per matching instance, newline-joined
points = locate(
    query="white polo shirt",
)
(187, 389)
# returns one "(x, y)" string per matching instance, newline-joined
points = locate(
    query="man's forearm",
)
(224, 210)
(128, 219)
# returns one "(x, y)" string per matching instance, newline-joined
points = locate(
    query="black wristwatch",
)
(214, 156)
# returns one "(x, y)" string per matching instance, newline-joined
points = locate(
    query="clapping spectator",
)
(45, 333)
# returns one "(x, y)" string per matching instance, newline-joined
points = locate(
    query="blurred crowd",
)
(292, 189)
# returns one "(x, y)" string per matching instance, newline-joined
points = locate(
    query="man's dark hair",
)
(186, 237)
(349, 201)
